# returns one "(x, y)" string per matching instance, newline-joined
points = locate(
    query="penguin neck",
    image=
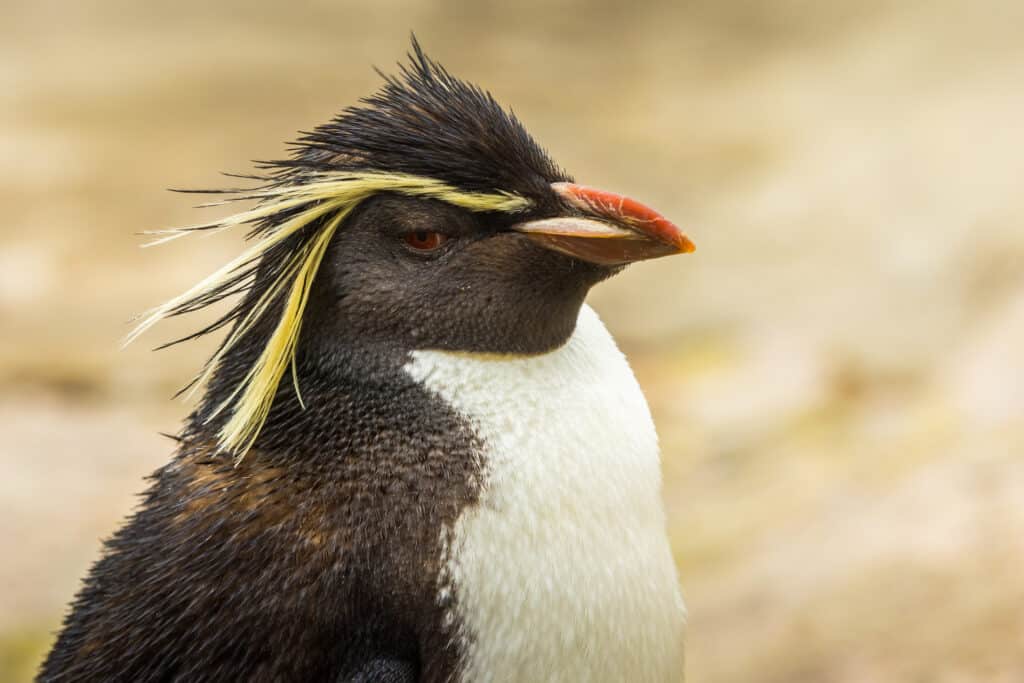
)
(334, 363)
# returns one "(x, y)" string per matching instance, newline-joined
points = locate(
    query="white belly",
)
(562, 571)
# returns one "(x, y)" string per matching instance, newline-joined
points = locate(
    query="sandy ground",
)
(837, 374)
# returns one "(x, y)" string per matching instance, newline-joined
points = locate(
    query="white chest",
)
(562, 571)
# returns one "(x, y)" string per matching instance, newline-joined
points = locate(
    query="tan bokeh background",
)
(837, 373)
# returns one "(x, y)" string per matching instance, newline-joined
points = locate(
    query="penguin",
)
(418, 455)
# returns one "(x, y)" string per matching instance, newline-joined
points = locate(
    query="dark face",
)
(422, 274)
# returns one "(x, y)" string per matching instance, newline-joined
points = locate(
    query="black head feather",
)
(426, 122)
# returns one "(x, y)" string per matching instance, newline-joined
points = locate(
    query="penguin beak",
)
(606, 228)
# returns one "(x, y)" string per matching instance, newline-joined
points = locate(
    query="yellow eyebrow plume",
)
(323, 200)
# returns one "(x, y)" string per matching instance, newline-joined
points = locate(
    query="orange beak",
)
(611, 230)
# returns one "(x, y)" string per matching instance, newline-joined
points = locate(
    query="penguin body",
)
(418, 456)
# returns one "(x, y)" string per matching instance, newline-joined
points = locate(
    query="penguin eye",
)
(425, 240)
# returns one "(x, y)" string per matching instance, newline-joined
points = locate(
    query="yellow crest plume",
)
(319, 204)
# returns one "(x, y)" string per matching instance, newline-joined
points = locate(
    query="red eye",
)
(423, 240)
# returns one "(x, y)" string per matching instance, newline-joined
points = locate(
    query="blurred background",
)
(837, 373)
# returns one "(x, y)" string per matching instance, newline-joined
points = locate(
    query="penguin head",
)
(421, 272)
(426, 217)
